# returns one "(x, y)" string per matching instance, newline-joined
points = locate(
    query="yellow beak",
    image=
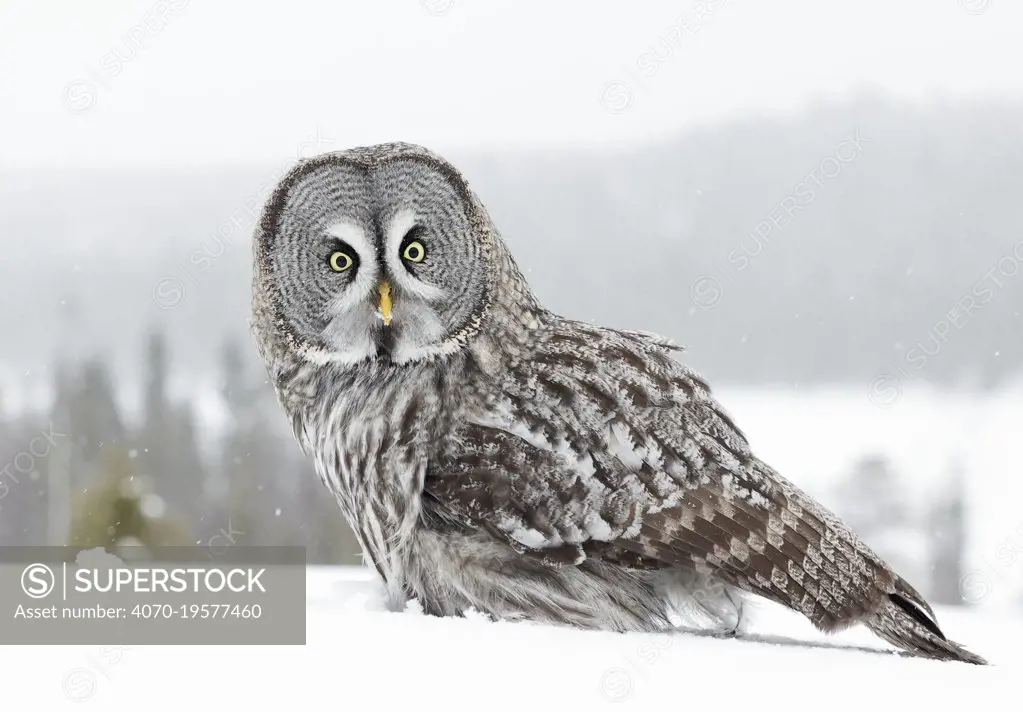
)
(385, 301)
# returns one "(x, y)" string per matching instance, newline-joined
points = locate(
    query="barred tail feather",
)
(901, 622)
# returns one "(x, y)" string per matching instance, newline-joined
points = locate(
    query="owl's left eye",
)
(414, 251)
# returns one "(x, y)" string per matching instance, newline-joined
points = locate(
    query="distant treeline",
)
(78, 472)
(851, 241)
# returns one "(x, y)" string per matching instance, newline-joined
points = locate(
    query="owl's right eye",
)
(340, 261)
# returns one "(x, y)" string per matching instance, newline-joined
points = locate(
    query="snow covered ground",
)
(359, 657)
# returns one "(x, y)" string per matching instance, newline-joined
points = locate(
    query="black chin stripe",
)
(385, 342)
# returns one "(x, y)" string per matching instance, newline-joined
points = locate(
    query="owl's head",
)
(380, 252)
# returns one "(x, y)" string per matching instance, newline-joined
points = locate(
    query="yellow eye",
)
(414, 251)
(340, 261)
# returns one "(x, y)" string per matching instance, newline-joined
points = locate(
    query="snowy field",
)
(359, 656)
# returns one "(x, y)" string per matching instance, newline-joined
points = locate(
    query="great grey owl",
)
(493, 456)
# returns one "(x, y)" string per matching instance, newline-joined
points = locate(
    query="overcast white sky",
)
(254, 80)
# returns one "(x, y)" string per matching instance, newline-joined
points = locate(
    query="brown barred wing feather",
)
(605, 447)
